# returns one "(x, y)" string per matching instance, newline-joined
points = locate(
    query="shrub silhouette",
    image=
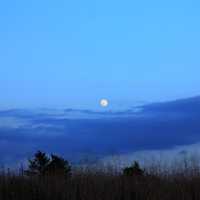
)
(42, 165)
(134, 170)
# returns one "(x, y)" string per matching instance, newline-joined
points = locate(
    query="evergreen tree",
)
(134, 170)
(58, 166)
(38, 164)
(42, 165)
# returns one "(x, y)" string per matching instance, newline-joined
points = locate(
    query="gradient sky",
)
(72, 53)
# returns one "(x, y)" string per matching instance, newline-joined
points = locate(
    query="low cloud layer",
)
(74, 133)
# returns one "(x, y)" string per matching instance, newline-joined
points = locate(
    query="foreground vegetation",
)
(52, 178)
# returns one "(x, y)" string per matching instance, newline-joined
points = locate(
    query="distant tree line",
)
(43, 165)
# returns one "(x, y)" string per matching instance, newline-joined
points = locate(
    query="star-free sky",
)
(74, 53)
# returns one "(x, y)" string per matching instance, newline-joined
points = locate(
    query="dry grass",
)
(102, 185)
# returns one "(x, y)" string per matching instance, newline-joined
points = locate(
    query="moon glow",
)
(104, 102)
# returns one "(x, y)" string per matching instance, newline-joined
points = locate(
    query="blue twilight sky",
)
(72, 53)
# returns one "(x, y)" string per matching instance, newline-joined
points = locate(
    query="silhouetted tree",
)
(38, 164)
(58, 166)
(134, 170)
(42, 165)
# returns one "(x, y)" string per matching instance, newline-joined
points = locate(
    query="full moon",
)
(104, 102)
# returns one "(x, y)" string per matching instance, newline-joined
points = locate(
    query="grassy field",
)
(101, 184)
